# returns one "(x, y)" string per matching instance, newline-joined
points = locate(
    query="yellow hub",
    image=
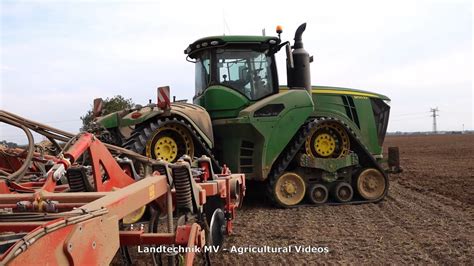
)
(166, 149)
(325, 144)
(135, 216)
(289, 189)
(328, 140)
(169, 142)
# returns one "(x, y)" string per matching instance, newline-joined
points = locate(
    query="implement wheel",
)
(328, 140)
(371, 184)
(289, 189)
(169, 142)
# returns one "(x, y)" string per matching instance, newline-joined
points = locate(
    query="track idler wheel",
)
(289, 189)
(318, 194)
(371, 184)
(342, 192)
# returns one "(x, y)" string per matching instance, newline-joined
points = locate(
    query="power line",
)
(409, 114)
(434, 115)
(410, 118)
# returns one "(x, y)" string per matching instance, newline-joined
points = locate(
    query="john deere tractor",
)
(324, 143)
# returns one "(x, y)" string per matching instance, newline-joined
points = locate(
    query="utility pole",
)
(434, 115)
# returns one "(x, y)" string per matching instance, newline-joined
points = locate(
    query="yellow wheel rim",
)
(371, 184)
(328, 140)
(166, 149)
(290, 189)
(325, 144)
(135, 216)
(170, 142)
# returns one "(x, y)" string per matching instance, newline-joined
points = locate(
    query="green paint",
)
(267, 135)
(222, 102)
(250, 143)
(330, 165)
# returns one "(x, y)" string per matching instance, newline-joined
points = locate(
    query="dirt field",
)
(427, 218)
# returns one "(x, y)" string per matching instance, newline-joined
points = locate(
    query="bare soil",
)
(428, 216)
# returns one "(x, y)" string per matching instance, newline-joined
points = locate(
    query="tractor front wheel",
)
(167, 140)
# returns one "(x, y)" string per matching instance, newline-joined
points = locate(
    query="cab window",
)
(246, 71)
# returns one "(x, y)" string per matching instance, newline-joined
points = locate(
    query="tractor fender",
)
(193, 114)
(198, 117)
(280, 125)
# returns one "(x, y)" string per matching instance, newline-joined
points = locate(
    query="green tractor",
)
(324, 143)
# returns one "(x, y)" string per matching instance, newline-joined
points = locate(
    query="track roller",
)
(317, 194)
(342, 192)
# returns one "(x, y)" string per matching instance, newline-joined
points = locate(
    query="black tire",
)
(145, 137)
(342, 192)
(317, 194)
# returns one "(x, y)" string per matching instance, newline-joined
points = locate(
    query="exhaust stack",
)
(297, 67)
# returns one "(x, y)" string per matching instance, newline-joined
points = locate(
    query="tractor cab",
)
(235, 69)
(233, 72)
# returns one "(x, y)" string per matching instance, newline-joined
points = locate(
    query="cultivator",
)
(87, 200)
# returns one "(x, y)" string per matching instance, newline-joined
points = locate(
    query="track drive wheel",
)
(289, 189)
(371, 184)
(328, 140)
(343, 192)
(317, 194)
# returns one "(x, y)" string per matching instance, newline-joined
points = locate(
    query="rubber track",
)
(137, 140)
(288, 154)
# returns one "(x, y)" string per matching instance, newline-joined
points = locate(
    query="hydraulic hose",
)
(18, 174)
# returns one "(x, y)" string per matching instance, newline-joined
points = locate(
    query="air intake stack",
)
(298, 68)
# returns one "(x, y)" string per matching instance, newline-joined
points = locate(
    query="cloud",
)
(57, 56)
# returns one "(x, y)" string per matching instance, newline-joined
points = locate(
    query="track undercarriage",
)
(326, 164)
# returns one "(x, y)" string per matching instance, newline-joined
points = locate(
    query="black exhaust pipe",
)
(298, 73)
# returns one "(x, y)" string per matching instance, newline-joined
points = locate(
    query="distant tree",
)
(111, 105)
(8, 144)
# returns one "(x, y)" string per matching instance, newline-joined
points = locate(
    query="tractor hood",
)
(344, 91)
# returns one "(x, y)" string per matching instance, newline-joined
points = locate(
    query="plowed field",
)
(427, 218)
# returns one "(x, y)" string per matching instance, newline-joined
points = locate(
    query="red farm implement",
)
(86, 200)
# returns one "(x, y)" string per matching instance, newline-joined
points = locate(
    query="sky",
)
(57, 56)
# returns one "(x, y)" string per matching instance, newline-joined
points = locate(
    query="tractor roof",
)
(217, 41)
